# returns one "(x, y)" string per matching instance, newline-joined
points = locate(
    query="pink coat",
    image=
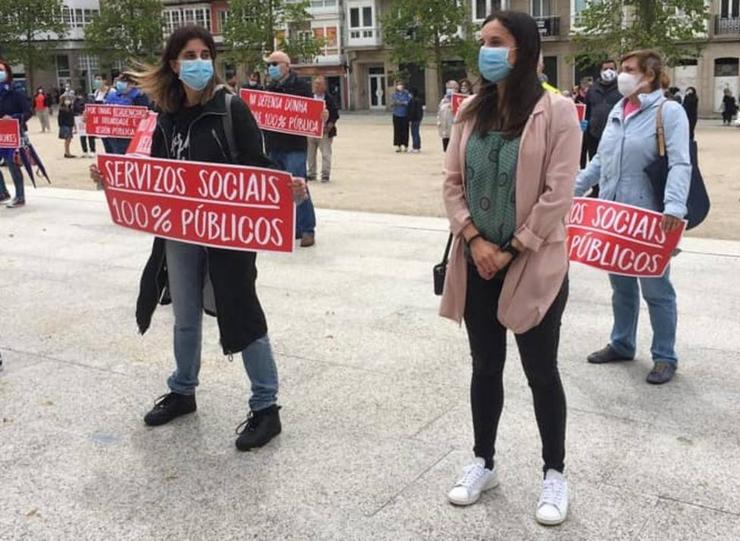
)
(549, 155)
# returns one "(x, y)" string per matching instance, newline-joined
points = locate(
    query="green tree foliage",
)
(427, 32)
(125, 30)
(614, 27)
(256, 27)
(28, 31)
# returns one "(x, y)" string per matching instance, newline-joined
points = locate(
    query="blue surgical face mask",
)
(121, 86)
(493, 63)
(3, 76)
(449, 92)
(274, 72)
(196, 73)
(97, 84)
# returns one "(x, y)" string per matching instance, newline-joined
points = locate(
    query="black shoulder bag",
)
(440, 270)
(698, 203)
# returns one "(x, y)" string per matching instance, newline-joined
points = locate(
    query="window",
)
(576, 7)
(63, 66)
(361, 22)
(541, 8)
(729, 9)
(175, 18)
(223, 16)
(483, 8)
(323, 3)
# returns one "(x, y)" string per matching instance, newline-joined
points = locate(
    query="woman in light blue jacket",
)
(627, 147)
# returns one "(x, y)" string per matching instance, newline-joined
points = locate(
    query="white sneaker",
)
(475, 480)
(552, 508)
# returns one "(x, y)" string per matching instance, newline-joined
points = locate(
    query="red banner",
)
(284, 113)
(619, 238)
(141, 143)
(115, 121)
(457, 100)
(581, 110)
(222, 206)
(10, 133)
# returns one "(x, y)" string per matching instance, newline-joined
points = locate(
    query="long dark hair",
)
(522, 90)
(161, 83)
(8, 70)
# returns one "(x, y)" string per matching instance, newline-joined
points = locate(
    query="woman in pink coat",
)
(510, 170)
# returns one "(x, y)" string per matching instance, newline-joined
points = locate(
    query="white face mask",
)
(628, 84)
(608, 75)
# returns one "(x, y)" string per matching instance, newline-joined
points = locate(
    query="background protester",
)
(86, 142)
(600, 100)
(466, 87)
(289, 152)
(42, 109)
(13, 104)
(124, 92)
(101, 89)
(400, 105)
(254, 82)
(415, 115)
(508, 268)
(579, 96)
(445, 116)
(192, 103)
(729, 107)
(627, 148)
(691, 106)
(330, 132)
(66, 121)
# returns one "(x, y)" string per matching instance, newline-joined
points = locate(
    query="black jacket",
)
(331, 106)
(415, 110)
(232, 273)
(15, 104)
(600, 101)
(691, 106)
(283, 141)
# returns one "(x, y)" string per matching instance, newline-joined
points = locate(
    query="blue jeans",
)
(294, 162)
(16, 175)
(661, 300)
(116, 146)
(415, 134)
(186, 267)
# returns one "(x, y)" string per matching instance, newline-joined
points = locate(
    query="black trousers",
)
(538, 349)
(593, 148)
(85, 140)
(400, 131)
(445, 143)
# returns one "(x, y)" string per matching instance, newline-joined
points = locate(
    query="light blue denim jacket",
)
(628, 147)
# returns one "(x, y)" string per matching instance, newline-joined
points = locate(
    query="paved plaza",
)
(374, 394)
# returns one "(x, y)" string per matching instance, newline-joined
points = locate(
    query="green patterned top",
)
(490, 167)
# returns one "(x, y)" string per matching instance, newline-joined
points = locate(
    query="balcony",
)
(549, 27)
(364, 37)
(726, 26)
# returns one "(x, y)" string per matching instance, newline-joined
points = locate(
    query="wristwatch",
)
(511, 249)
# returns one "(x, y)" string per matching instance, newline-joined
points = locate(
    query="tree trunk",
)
(438, 62)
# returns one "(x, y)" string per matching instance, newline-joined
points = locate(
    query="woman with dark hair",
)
(13, 104)
(627, 148)
(466, 87)
(511, 164)
(691, 106)
(192, 102)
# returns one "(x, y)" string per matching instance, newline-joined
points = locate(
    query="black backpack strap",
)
(229, 128)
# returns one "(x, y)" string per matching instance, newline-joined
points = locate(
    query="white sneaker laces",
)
(553, 493)
(471, 475)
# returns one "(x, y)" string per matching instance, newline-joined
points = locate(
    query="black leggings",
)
(400, 131)
(538, 349)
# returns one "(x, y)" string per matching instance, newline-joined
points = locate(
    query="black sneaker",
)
(310, 178)
(168, 407)
(662, 372)
(259, 428)
(4, 197)
(607, 355)
(15, 203)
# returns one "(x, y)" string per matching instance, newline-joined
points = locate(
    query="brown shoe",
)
(307, 239)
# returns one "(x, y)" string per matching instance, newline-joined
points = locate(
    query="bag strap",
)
(446, 256)
(229, 127)
(660, 130)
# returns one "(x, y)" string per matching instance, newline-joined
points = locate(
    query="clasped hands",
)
(488, 257)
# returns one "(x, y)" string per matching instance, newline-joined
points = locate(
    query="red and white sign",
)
(141, 143)
(222, 206)
(114, 121)
(456, 101)
(284, 113)
(10, 133)
(620, 239)
(581, 110)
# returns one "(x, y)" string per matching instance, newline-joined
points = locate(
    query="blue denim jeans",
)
(661, 300)
(186, 267)
(16, 175)
(116, 146)
(294, 162)
(416, 135)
